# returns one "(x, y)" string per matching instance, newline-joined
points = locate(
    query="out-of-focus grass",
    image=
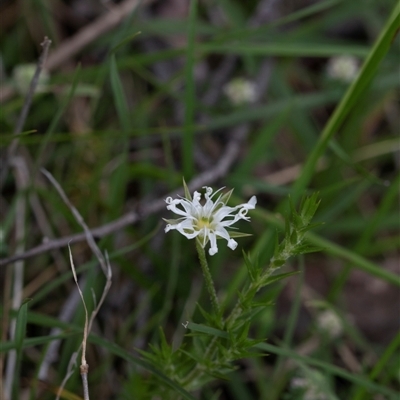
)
(136, 131)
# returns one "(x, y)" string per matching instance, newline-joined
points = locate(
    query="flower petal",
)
(232, 244)
(213, 244)
(252, 202)
(222, 232)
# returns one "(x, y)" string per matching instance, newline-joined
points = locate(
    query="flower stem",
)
(208, 279)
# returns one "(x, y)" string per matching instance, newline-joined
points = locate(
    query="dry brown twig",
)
(84, 368)
(105, 266)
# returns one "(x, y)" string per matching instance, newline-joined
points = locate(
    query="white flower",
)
(330, 323)
(240, 91)
(344, 68)
(23, 74)
(207, 221)
(310, 389)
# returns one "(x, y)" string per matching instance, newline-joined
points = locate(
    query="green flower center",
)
(204, 222)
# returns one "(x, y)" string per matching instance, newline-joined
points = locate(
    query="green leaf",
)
(20, 333)
(276, 246)
(188, 196)
(309, 227)
(125, 41)
(119, 96)
(212, 319)
(166, 349)
(278, 263)
(172, 221)
(305, 249)
(235, 234)
(244, 333)
(275, 278)
(37, 341)
(309, 207)
(221, 375)
(226, 196)
(152, 356)
(247, 316)
(207, 329)
(246, 298)
(20, 329)
(284, 49)
(252, 268)
(192, 355)
(262, 304)
(294, 237)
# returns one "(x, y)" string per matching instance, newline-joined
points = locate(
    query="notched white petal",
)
(252, 202)
(232, 244)
(212, 251)
(167, 228)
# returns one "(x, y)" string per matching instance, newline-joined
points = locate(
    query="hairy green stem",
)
(208, 279)
(189, 381)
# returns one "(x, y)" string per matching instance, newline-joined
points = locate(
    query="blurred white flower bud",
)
(329, 322)
(343, 68)
(22, 76)
(240, 91)
(308, 389)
